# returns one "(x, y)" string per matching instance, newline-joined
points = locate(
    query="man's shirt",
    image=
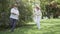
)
(14, 13)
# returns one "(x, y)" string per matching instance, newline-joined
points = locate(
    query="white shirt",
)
(14, 13)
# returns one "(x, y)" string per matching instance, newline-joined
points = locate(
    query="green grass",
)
(48, 26)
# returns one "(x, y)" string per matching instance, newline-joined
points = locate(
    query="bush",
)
(25, 13)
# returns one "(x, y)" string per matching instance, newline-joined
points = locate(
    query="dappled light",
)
(33, 17)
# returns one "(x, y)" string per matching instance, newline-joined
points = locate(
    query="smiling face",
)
(37, 7)
(14, 5)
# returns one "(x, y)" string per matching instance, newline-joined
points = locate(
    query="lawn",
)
(48, 26)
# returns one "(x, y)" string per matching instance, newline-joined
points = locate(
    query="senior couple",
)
(14, 16)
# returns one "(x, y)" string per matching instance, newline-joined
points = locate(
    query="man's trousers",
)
(13, 23)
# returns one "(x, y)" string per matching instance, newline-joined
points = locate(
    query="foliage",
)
(24, 7)
(51, 6)
(4, 12)
(25, 12)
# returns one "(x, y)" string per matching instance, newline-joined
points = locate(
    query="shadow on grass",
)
(30, 29)
(23, 29)
(4, 28)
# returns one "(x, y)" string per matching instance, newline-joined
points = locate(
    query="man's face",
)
(15, 5)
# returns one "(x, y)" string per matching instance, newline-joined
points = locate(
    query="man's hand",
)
(14, 13)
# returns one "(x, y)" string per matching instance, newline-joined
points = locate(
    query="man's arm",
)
(13, 11)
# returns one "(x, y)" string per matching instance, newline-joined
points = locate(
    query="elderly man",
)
(37, 15)
(14, 16)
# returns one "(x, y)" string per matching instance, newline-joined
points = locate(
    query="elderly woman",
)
(37, 15)
(14, 16)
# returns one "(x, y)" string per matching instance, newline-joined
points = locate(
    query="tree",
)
(25, 11)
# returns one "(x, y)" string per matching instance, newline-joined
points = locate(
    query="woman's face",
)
(37, 8)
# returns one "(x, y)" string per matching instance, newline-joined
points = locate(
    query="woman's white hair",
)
(37, 6)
